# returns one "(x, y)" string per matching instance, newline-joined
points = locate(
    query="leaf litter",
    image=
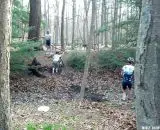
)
(60, 93)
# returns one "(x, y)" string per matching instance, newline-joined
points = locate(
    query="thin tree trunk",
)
(114, 36)
(5, 40)
(147, 73)
(105, 23)
(102, 21)
(86, 8)
(62, 26)
(73, 24)
(45, 17)
(67, 28)
(120, 18)
(56, 23)
(87, 63)
(48, 18)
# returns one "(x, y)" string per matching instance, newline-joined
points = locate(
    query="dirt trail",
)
(60, 92)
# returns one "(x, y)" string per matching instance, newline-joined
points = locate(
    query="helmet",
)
(130, 59)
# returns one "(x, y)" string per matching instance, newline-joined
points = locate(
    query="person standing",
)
(48, 41)
(127, 78)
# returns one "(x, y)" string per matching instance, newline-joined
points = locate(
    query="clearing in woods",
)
(60, 93)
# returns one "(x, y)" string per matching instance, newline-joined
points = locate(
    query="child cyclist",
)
(127, 78)
(57, 63)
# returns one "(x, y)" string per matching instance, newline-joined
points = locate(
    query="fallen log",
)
(35, 67)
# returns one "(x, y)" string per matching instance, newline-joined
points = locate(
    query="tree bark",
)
(73, 24)
(102, 21)
(85, 26)
(34, 20)
(114, 34)
(62, 26)
(87, 63)
(67, 24)
(106, 23)
(147, 73)
(56, 23)
(5, 40)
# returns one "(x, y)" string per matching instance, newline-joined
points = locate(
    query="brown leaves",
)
(88, 115)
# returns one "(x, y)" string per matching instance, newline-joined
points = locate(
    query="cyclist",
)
(57, 63)
(127, 77)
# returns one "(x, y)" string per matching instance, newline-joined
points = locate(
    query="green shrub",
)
(76, 60)
(24, 52)
(104, 59)
(113, 59)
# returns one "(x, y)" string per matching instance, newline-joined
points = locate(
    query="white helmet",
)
(130, 59)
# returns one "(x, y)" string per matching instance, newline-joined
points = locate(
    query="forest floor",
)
(60, 94)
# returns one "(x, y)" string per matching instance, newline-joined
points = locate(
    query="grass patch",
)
(33, 126)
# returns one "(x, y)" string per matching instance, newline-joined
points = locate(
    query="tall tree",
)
(85, 25)
(114, 36)
(62, 26)
(5, 40)
(67, 35)
(105, 22)
(34, 19)
(45, 16)
(102, 20)
(73, 24)
(56, 22)
(90, 41)
(147, 73)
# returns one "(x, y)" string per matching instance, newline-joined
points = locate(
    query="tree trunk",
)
(114, 34)
(62, 26)
(87, 63)
(120, 19)
(56, 23)
(73, 24)
(106, 23)
(48, 18)
(102, 21)
(85, 27)
(147, 73)
(34, 20)
(5, 40)
(45, 17)
(67, 24)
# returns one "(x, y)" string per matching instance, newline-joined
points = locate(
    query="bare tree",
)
(105, 23)
(5, 40)
(34, 19)
(147, 73)
(114, 36)
(62, 26)
(85, 25)
(73, 24)
(90, 42)
(56, 22)
(67, 35)
(102, 21)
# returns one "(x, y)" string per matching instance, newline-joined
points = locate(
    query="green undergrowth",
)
(114, 59)
(46, 126)
(21, 54)
(104, 59)
(76, 60)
